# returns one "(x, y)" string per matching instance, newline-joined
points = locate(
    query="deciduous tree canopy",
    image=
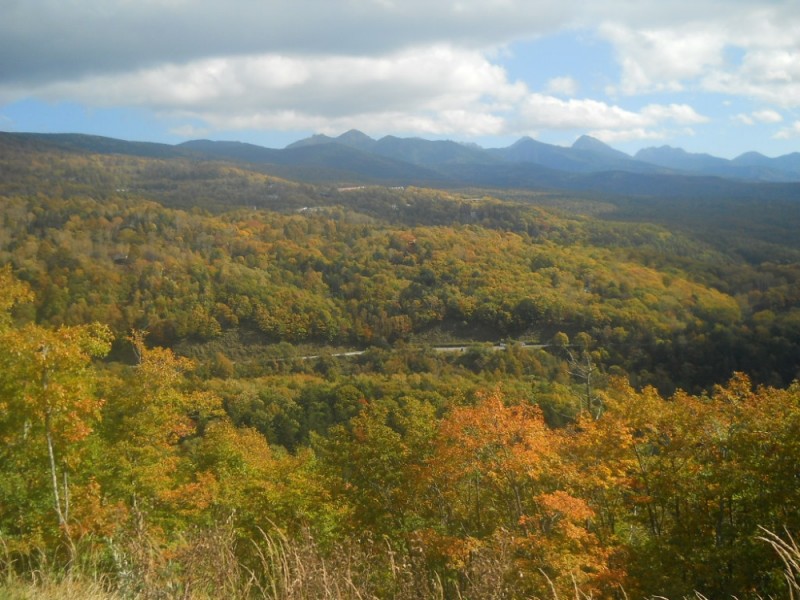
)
(472, 395)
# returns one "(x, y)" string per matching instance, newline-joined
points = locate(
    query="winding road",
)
(496, 347)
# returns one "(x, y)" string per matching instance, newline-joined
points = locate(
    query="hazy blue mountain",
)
(752, 159)
(680, 159)
(366, 165)
(594, 146)
(788, 163)
(528, 150)
(327, 154)
(599, 156)
(314, 140)
(419, 151)
(588, 166)
(232, 150)
(586, 155)
(353, 138)
(96, 144)
(356, 139)
(750, 166)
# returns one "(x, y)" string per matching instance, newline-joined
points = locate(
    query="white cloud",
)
(767, 116)
(788, 133)
(51, 38)
(439, 90)
(678, 113)
(540, 111)
(742, 48)
(389, 66)
(608, 122)
(562, 86)
(41, 39)
(769, 75)
(662, 59)
(327, 82)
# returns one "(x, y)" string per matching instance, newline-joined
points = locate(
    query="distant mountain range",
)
(587, 165)
(586, 155)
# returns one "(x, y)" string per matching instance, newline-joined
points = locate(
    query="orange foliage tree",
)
(496, 475)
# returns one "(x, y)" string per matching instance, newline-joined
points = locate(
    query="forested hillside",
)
(216, 382)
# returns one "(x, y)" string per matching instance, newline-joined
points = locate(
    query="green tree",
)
(48, 408)
(150, 419)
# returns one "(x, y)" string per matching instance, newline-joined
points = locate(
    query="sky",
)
(714, 76)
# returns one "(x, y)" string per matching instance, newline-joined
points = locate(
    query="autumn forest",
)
(218, 382)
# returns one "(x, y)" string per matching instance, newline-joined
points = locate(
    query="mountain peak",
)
(356, 139)
(354, 133)
(751, 158)
(353, 138)
(317, 138)
(588, 143)
(526, 141)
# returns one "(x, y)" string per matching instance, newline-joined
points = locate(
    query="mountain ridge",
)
(586, 155)
(354, 157)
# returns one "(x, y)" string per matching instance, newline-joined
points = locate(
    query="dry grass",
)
(70, 589)
(214, 563)
(299, 570)
(789, 552)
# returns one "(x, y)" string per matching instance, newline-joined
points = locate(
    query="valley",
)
(451, 373)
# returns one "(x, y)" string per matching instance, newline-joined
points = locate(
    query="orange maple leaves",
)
(498, 471)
